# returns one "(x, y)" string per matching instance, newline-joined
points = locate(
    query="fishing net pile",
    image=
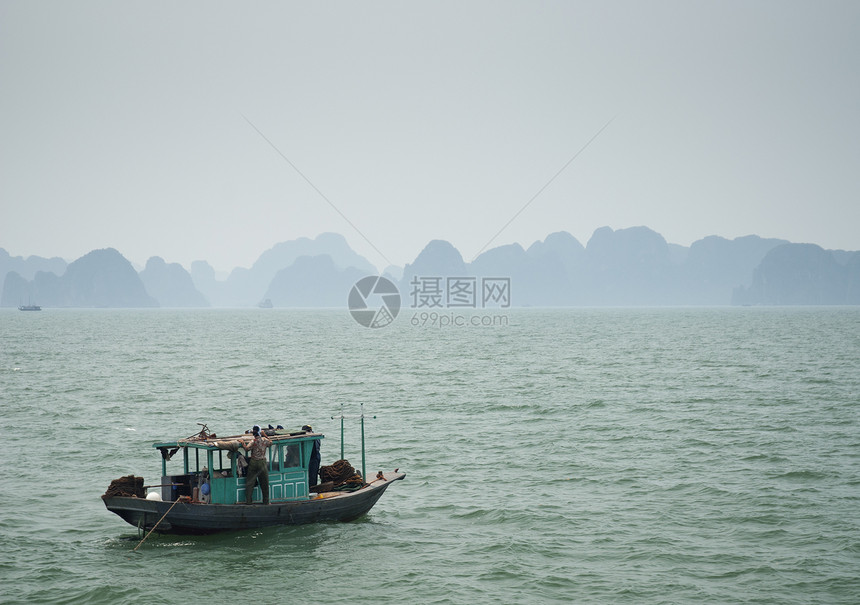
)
(341, 473)
(126, 486)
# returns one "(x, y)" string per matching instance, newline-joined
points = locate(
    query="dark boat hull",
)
(197, 518)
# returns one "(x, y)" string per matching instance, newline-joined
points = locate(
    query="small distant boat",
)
(29, 308)
(207, 495)
(265, 304)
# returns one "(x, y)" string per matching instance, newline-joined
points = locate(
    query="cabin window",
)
(276, 458)
(292, 456)
(272, 453)
(222, 464)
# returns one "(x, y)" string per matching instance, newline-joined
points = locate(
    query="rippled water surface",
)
(590, 456)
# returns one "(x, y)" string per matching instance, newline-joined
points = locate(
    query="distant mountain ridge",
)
(27, 268)
(246, 287)
(637, 267)
(313, 281)
(632, 266)
(170, 284)
(802, 274)
(101, 278)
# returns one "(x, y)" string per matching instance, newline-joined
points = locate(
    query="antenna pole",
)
(363, 472)
(363, 456)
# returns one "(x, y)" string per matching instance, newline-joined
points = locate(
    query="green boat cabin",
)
(213, 466)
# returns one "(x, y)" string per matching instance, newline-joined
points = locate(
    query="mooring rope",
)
(159, 521)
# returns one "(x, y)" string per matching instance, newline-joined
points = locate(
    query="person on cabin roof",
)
(314, 468)
(258, 469)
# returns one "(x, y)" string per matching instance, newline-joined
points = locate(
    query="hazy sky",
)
(124, 124)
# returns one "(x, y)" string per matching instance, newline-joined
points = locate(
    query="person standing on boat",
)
(314, 468)
(258, 469)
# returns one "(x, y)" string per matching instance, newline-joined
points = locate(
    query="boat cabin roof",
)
(212, 443)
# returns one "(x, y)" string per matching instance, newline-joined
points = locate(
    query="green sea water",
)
(586, 455)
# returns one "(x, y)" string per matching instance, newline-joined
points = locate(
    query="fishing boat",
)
(29, 308)
(206, 493)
